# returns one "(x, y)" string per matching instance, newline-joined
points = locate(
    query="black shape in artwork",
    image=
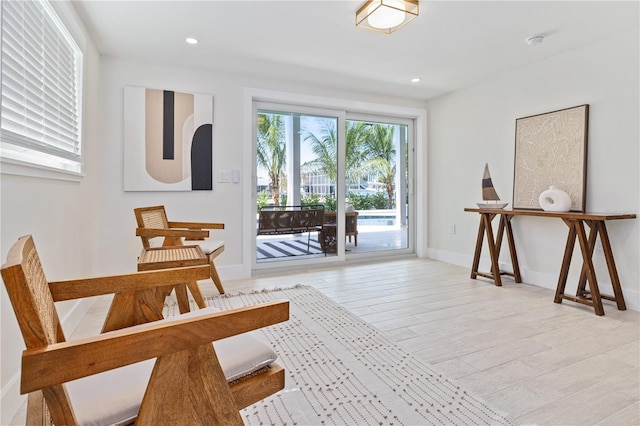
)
(168, 125)
(201, 158)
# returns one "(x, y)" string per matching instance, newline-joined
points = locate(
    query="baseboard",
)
(537, 278)
(11, 400)
(452, 257)
(233, 272)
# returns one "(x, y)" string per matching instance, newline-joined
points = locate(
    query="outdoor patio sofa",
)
(280, 220)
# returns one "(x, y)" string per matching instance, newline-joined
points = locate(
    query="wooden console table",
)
(576, 223)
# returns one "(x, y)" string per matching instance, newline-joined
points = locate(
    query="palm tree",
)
(325, 146)
(271, 150)
(381, 156)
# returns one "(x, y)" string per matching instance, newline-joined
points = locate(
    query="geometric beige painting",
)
(551, 149)
(168, 140)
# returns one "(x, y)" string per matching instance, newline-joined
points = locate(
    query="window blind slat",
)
(40, 81)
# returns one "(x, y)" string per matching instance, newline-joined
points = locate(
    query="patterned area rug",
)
(286, 248)
(341, 370)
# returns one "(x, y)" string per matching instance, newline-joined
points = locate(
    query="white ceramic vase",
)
(555, 200)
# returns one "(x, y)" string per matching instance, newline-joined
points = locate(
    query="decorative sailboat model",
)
(489, 194)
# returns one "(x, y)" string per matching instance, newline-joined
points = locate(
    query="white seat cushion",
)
(115, 396)
(207, 246)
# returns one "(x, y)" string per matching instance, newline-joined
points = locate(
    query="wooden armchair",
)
(165, 372)
(153, 223)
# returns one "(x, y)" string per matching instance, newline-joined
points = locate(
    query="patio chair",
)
(350, 226)
(165, 372)
(153, 223)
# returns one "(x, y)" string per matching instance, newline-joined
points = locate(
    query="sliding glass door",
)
(296, 169)
(356, 168)
(378, 176)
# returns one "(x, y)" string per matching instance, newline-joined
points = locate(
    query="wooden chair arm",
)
(179, 233)
(98, 286)
(196, 225)
(63, 362)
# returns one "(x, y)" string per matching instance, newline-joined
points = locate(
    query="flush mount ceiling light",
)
(191, 40)
(386, 16)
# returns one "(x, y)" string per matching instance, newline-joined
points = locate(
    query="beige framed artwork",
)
(168, 140)
(551, 149)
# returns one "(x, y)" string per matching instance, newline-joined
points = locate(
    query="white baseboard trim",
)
(11, 400)
(233, 272)
(537, 278)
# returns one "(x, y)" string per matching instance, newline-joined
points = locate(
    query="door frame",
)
(349, 107)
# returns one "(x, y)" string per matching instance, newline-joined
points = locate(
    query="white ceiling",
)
(451, 45)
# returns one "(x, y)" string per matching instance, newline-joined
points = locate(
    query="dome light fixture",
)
(191, 40)
(386, 16)
(416, 80)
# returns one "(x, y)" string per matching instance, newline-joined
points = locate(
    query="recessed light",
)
(191, 40)
(416, 80)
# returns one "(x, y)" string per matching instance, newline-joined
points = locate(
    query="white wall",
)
(477, 125)
(63, 218)
(224, 204)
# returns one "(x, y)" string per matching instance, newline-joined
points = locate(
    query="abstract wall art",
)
(551, 149)
(168, 140)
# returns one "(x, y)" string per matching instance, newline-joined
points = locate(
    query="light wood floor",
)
(541, 362)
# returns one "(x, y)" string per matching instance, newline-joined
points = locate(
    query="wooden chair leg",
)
(192, 378)
(133, 308)
(183, 298)
(216, 278)
(62, 412)
(197, 295)
(37, 412)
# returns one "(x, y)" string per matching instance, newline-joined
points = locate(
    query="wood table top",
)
(563, 215)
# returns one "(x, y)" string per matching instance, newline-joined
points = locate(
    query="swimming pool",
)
(364, 220)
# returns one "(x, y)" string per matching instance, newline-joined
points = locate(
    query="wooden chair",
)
(153, 223)
(165, 372)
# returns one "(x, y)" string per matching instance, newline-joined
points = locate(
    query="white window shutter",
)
(40, 119)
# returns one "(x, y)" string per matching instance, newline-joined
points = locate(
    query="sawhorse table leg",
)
(592, 296)
(494, 245)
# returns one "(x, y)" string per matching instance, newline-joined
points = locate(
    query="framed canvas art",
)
(551, 149)
(168, 140)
